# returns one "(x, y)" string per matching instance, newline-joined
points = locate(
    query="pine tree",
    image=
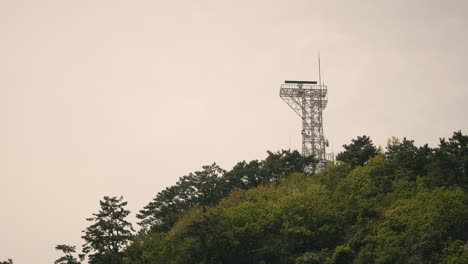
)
(358, 152)
(109, 233)
(68, 257)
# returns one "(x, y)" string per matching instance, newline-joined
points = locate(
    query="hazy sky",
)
(123, 97)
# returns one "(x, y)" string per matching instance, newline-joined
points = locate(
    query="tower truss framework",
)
(308, 99)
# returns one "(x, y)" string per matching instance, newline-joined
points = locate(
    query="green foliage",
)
(151, 247)
(308, 218)
(363, 190)
(261, 224)
(310, 258)
(283, 163)
(416, 230)
(334, 174)
(455, 253)
(209, 186)
(407, 205)
(68, 257)
(343, 255)
(205, 188)
(358, 152)
(109, 232)
(450, 165)
(409, 159)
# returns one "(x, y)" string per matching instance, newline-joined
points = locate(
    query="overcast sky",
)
(123, 97)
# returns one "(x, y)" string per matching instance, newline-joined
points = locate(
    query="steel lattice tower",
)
(308, 99)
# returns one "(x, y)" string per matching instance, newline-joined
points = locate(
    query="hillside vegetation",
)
(404, 204)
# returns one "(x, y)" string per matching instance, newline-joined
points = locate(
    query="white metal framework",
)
(308, 99)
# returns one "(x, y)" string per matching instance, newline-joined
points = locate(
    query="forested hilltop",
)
(401, 204)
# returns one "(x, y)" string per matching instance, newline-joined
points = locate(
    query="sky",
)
(124, 97)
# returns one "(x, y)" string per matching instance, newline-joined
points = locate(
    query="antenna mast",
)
(320, 73)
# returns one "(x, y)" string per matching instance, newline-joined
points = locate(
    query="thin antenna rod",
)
(320, 73)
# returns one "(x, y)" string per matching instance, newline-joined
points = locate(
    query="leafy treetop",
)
(358, 152)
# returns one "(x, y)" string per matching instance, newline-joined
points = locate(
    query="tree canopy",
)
(358, 152)
(408, 204)
(405, 205)
(208, 186)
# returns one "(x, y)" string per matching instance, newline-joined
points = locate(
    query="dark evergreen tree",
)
(404, 155)
(276, 165)
(450, 165)
(109, 233)
(208, 186)
(284, 162)
(9, 261)
(358, 152)
(68, 257)
(205, 188)
(245, 175)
